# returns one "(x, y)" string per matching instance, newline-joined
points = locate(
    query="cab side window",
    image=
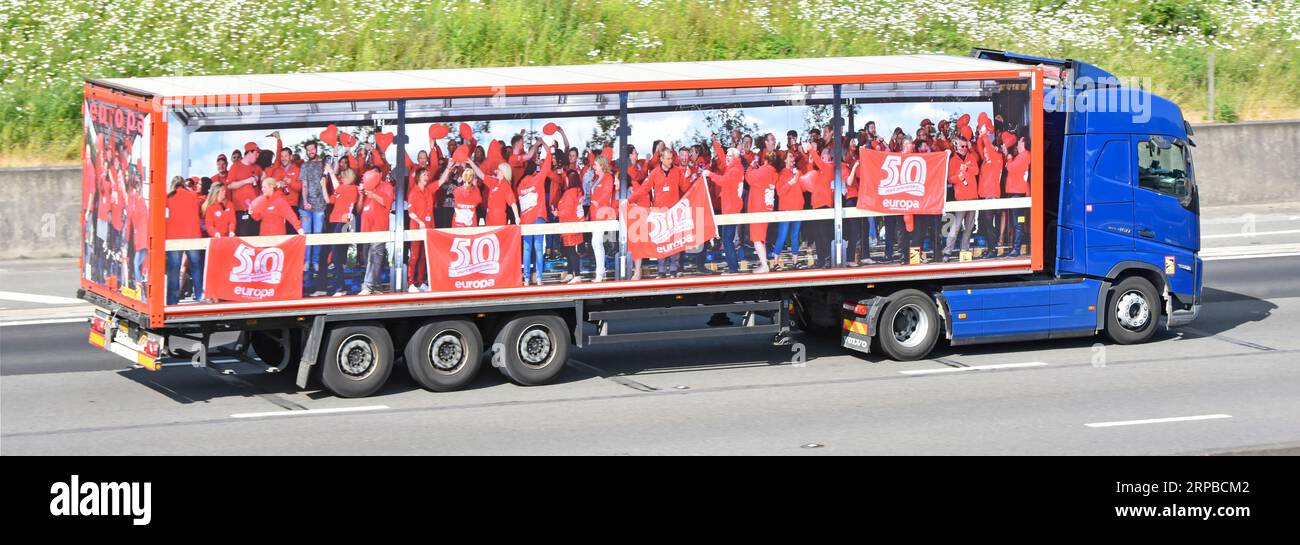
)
(1162, 167)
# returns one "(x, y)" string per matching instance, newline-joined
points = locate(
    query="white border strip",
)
(322, 239)
(37, 298)
(312, 411)
(611, 288)
(44, 322)
(1157, 420)
(973, 368)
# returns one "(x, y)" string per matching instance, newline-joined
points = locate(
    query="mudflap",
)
(858, 322)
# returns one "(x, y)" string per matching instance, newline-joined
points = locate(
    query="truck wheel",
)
(532, 349)
(357, 360)
(444, 356)
(909, 326)
(1132, 311)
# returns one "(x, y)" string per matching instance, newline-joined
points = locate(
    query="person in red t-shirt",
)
(1017, 183)
(183, 223)
(963, 176)
(242, 183)
(991, 222)
(344, 201)
(532, 198)
(376, 203)
(500, 194)
(603, 207)
(419, 211)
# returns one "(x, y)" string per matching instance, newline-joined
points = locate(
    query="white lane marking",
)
(1252, 234)
(1157, 420)
(1254, 256)
(43, 299)
(43, 322)
(311, 411)
(973, 368)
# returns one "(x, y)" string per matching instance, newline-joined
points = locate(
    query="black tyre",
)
(532, 349)
(266, 345)
(909, 326)
(357, 360)
(1132, 311)
(444, 356)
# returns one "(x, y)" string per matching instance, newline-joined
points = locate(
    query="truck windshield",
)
(1165, 167)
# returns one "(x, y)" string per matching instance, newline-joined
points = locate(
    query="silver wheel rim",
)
(447, 352)
(911, 326)
(356, 357)
(1132, 310)
(536, 348)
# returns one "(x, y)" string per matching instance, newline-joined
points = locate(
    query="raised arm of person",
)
(563, 137)
(477, 171)
(532, 152)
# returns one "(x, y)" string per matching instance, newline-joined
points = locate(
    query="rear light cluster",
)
(857, 308)
(152, 348)
(98, 325)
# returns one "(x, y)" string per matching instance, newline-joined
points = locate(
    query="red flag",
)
(486, 260)
(239, 271)
(902, 183)
(662, 232)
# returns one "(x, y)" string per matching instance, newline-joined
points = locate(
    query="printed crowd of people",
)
(349, 187)
(116, 215)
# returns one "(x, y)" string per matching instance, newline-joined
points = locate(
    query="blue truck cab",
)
(1121, 225)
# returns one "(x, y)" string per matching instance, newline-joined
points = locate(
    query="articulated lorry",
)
(1081, 220)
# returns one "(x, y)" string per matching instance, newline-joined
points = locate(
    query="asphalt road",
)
(739, 396)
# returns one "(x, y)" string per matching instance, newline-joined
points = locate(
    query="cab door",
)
(1166, 229)
(1165, 199)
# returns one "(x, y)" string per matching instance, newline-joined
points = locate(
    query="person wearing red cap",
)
(941, 140)
(223, 167)
(1017, 183)
(183, 223)
(963, 177)
(242, 184)
(990, 184)
(376, 202)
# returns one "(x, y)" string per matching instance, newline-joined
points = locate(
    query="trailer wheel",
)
(1132, 312)
(357, 360)
(444, 356)
(909, 326)
(532, 349)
